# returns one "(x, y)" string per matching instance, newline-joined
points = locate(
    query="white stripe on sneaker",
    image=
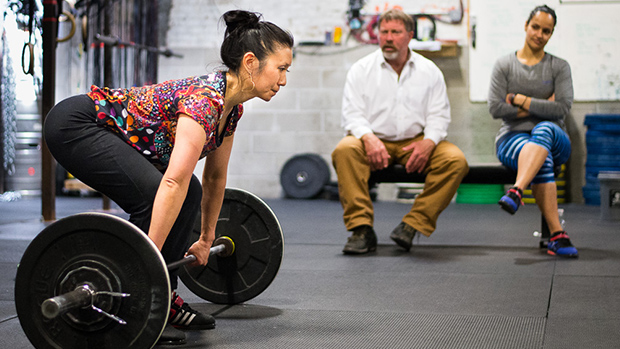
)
(183, 321)
(176, 317)
(189, 321)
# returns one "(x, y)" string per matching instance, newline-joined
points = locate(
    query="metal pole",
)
(107, 65)
(48, 164)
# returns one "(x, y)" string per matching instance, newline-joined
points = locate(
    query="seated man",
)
(395, 110)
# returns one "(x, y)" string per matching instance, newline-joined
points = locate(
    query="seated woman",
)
(532, 92)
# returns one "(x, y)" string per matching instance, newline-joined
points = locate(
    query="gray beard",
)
(390, 55)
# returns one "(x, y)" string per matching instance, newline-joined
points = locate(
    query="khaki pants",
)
(444, 171)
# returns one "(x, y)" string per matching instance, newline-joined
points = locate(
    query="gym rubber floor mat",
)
(569, 332)
(487, 283)
(585, 297)
(12, 335)
(310, 329)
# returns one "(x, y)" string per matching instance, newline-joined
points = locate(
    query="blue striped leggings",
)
(547, 135)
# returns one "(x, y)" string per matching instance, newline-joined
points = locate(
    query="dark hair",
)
(246, 32)
(545, 9)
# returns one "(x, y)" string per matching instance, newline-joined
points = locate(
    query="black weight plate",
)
(118, 256)
(304, 176)
(259, 244)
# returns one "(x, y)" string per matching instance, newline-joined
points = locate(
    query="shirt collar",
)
(410, 62)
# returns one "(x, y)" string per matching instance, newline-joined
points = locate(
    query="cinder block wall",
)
(305, 115)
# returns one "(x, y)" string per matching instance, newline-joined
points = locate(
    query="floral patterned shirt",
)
(146, 117)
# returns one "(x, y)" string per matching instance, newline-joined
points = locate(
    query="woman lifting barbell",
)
(139, 146)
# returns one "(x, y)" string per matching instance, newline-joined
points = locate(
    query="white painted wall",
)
(305, 115)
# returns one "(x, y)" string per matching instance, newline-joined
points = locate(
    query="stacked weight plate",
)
(603, 146)
(27, 176)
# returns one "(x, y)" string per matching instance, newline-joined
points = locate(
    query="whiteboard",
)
(585, 36)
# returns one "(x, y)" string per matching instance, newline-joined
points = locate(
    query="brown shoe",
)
(403, 235)
(363, 240)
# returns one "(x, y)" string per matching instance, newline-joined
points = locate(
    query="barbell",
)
(94, 280)
(85, 295)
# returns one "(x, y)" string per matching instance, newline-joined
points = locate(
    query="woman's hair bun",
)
(240, 19)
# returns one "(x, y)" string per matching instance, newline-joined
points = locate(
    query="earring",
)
(252, 80)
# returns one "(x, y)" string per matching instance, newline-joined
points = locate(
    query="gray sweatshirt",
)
(551, 75)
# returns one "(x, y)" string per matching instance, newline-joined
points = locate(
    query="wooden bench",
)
(478, 174)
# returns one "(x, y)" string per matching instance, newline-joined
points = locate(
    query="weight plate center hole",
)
(302, 177)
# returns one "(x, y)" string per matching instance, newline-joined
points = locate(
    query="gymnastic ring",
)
(72, 31)
(85, 30)
(30, 70)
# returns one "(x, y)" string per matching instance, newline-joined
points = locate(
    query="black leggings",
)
(102, 160)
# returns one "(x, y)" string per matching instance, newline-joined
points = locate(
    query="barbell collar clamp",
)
(81, 297)
(111, 316)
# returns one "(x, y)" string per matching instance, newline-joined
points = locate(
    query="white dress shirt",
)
(395, 108)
